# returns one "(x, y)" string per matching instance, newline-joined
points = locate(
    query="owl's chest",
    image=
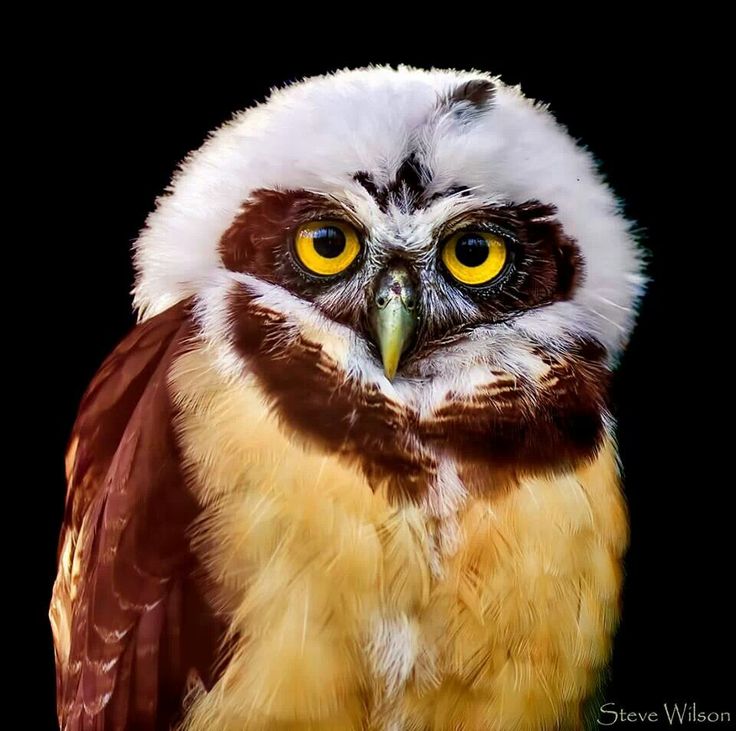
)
(352, 611)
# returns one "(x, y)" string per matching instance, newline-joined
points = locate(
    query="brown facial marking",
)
(526, 425)
(259, 242)
(546, 267)
(516, 425)
(313, 397)
(547, 262)
(407, 189)
(255, 241)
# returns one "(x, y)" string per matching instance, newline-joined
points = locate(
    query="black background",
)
(118, 117)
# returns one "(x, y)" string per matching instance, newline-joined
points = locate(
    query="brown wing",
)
(130, 625)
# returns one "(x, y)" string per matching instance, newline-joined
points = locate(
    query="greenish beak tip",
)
(393, 317)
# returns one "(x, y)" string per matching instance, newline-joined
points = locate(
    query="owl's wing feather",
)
(130, 624)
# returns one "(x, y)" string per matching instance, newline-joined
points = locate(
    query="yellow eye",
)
(475, 257)
(327, 247)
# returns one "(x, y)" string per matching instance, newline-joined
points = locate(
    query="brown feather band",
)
(523, 425)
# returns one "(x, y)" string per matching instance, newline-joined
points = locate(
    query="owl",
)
(355, 468)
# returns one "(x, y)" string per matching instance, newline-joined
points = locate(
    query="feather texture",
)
(346, 612)
(210, 552)
(262, 531)
(125, 585)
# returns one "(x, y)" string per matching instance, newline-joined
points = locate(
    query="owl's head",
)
(419, 267)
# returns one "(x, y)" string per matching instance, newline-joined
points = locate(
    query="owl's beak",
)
(393, 316)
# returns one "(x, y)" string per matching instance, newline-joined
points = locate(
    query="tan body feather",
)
(350, 612)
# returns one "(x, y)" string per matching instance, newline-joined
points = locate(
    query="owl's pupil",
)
(329, 241)
(471, 250)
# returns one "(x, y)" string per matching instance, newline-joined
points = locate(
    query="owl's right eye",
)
(326, 248)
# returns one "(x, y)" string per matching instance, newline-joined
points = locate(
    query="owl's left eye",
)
(326, 248)
(475, 258)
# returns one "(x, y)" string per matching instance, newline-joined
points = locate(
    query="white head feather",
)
(316, 134)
